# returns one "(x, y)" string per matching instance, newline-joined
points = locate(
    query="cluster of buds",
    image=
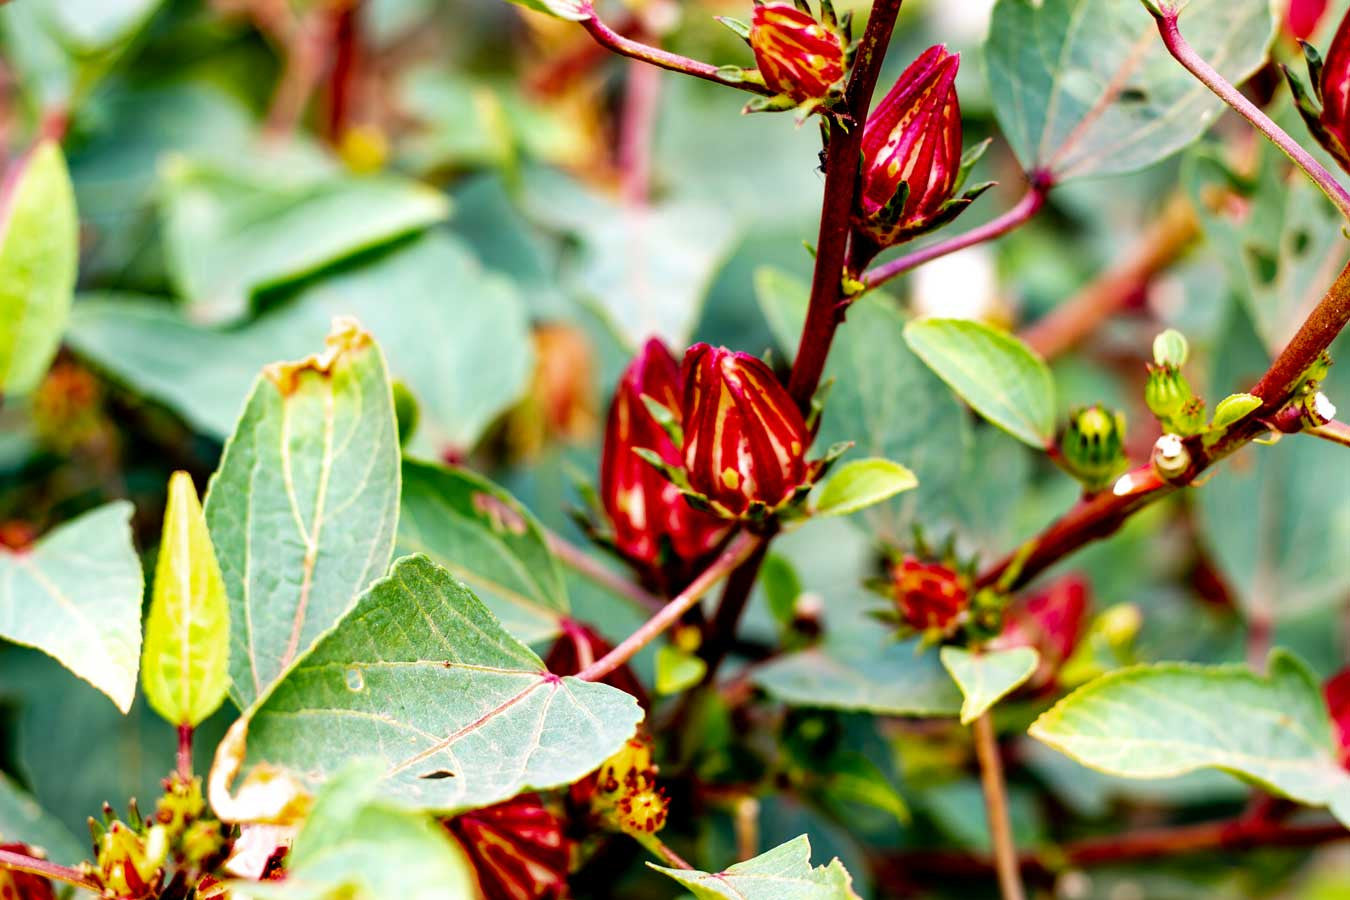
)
(690, 448)
(1167, 393)
(622, 794)
(1052, 621)
(132, 857)
(1092, 448)
(1325, 102)
(912, 164)
(654, 526)
(929, 597)
(518, 849)
(15, 885)
(801, 59)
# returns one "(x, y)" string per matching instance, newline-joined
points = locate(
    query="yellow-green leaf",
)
(39, 244)
(185, 672)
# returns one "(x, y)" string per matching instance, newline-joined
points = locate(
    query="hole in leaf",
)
(438, 775)
(1300, 241)
(1133, 95)
(355, 680)
(1265, 266)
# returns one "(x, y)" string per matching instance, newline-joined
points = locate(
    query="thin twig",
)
(185, 752)
(1079, 316)
(664, 59)
(1026, 208)
(1202, 70)
(584, 564)
(22, 862)
(641, 103)
(1336, 432)
(996, 803)
(740, 548)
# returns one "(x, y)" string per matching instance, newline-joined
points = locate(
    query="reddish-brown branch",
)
(1072, 321)
(1336, 432)
(664, 59)
(1099, 516)
(346, 71)
(21, 862)
(841, 181)
(636, 128)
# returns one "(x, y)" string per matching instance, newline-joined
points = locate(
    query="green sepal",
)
(1314, 61)
(968, 160)
(738, 75)
(776, 103)
(664, 417)
(827, 14)
(818, 400)
(674, 474)
(739, 28)
(1308, 105)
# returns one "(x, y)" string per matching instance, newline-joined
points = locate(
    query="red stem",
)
(673, 62)
(1202, 70)
(641, 103)
(1336, 432)
(185, 752)
(1026, 208)
(22, 862)
(343, 79)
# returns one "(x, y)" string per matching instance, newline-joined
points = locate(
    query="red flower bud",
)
(517, 848)
(797, 55)
(647, 511)
(744, 438)
(911, 150)
(1337, 693)
(928, 595)
(1051, 621)
(15, 885)
(1303, 17)
(578, 647)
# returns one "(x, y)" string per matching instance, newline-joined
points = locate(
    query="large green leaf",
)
(459, 712)
(357, 845)
(879, 676)
(883, 398)
(996, 373)
(1167, 719)
(481, 363)
(784, 873)
(489, 540)
(76, 596)
(1086, 87)
(985, 678)
(230, 233)
(304, 506)
(186, 671)
(21, 819)
(39, 252)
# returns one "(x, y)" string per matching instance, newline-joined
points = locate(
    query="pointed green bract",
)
(993, 371)
(986, 678)
(303, 509)
(185, 670)
(460, 713)
(76, 596)
(357, 844)
(39, 253)
(489, 540)
(1168, 719)
(1086, 87)
(784, 873)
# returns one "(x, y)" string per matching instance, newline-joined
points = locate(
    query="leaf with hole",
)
(460, 713)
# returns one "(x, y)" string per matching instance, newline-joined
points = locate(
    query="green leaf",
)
(1232, 408)
(677, 670)
(884, 399)
(986, 678)
(21, 819)
(998, 375)
(303, 508)
(231, 233)
(1086, 87)
(489, 540)
(784, 873)
(893, 679)
(1168, 719)
(39, 253)
(481, 365)
(459, 712)
(571, 10)
(76, 596)
(186, 668)
(862, 483)
(357, 845)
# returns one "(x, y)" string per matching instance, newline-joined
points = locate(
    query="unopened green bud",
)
(1171, 349)
(1093, 446)
(1167, 392)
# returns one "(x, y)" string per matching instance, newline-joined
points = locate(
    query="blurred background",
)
(511, 211)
